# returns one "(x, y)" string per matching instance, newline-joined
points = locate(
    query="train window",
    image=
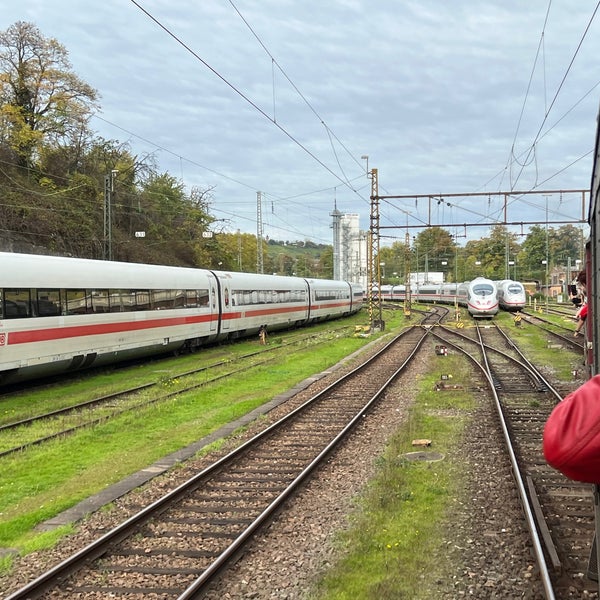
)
(142, 299)
(483, 289)
(194, 298)
(48, 303)
(114, 301)
(325, 295)
(99, 300)
(162, 299)
(299, 296)
(122, 300)
(76, 302)
(202, 297)
(240, 297)
(191, 298)
(129, 300)
(179, 298)
(17, 303)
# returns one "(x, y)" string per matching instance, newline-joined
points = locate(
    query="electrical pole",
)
(374, 267)
(407, 276)
(109, 190)
(259, 234)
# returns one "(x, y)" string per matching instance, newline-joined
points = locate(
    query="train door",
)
(214, 305)
(225, 304)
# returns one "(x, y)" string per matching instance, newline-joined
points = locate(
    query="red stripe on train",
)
(72, 331)
(59, 333)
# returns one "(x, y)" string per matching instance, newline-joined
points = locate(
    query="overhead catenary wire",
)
(239, 93)
(532, 146)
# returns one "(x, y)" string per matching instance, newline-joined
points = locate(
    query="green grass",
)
(533, 342)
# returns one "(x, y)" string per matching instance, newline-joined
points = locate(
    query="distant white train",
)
(63, 314)
(479, 297)
(511, 295)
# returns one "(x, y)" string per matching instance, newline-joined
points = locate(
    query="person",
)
(571, 445)
(581, 316)
(583, 309)
(574, 296)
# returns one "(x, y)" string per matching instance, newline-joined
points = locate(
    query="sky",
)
(297, 102)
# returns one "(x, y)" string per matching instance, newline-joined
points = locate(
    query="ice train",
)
(479, 296)
(511, 295)
(62, 314)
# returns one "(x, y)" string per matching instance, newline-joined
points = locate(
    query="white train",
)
(511, 295)
(479, 297)
(61, 314)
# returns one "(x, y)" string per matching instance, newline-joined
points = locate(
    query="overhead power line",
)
(240, 93)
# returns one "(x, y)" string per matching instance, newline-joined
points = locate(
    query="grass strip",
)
(395, 535)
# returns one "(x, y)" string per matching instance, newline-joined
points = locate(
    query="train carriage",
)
(592, 263)
(251, 301)
(330, 298)
(511, 295)
(62, 314)
(59, 313)
(479, 296)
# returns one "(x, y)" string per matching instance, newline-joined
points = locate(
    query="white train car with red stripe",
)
(62, 314)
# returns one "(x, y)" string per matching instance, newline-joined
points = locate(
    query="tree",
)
(533, 253)
(393, 260)
(325, 267)
(41, 99)
(566, 243)
(432, 247)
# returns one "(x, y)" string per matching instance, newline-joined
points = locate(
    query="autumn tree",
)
(41, 100)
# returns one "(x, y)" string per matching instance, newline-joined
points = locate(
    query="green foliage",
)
(42, 99)
(499, 255)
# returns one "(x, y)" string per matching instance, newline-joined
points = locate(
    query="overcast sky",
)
(285, 97)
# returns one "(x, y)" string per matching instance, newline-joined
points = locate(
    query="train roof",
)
(37, 270)
(42, 271)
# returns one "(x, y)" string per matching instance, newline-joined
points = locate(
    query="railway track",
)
(175, 546)
(558, 333)
(559, 512)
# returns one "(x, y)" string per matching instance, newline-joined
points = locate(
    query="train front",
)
(482, 298)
